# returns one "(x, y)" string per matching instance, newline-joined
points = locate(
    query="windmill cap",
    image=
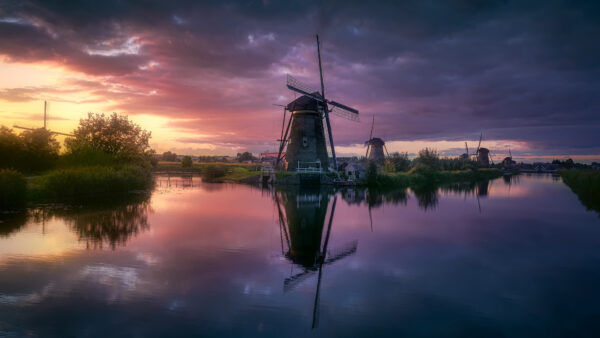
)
(375, 141)
(304, 103)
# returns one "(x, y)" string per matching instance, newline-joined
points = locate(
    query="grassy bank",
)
(421, 178)
(79, 185)
(586, 184)
(213, 171)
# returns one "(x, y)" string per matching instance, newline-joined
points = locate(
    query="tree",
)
(41, 149)
(169, 156)
(115, 135)
(400, 161)
(569, 163)
(186, 162)
(428, 160)
(11, 149)
(246, 156)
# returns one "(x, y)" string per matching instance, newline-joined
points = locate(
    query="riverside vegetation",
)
(585, 184)
(107, 156)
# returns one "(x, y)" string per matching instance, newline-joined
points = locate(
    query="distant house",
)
(354, 171)
(270, 157)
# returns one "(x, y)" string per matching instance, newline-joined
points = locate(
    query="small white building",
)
(354, 171)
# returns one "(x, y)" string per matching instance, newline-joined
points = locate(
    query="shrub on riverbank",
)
(586, 184)
(91, 183)
(13, 189)
(428, 178)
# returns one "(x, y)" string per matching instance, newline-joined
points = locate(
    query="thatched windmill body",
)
(375, 147)
(482, 154)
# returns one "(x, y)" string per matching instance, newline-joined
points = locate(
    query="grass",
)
(420, 178)
(89, 183)
(13, 189)
(586, 185)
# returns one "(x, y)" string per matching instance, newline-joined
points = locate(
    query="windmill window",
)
(304, 141)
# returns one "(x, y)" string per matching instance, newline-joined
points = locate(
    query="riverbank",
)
(419, 179)
(80, 185)
(214, 172)
(585, 184)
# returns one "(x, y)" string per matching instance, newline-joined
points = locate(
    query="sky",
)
(206, 76)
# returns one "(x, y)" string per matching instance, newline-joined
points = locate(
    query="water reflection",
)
(302, 214)
(100, 225)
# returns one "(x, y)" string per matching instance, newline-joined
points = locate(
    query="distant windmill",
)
(375, 147)
(45, 118)
(465, 156)
(306, 143)
(482, 155)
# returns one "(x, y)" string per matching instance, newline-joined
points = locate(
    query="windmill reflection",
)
(302, 215)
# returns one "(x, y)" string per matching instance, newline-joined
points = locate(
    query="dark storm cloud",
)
(439, 70)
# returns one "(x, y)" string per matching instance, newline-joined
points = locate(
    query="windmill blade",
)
(479, 144)
(345, 113)
(304, 89)
(343, 106)
(372, 126)
(292, 282)
(349, 250)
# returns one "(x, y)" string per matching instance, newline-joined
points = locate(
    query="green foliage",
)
(169, 157)
(398, 162)
(186, 162)
(115, 135)
(372, 173)
(11, 149)
(84, 183)
(13, 189)
(456, 164)
(86, 155)
(213, 172)
(428, 161)
(586, 184)
(31, 151)
(246, 156)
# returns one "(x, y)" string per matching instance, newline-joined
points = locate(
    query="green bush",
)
(186, 162)
(93, 182)
(213, 172)
(585, 184)
(13, 189)
(428, 161)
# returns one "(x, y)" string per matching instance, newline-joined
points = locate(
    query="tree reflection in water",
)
(427, 196)
(99, 225)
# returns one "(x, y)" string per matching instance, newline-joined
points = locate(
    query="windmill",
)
(482, 155)
(45, 118)
(305, 213)
(306, 143)
(465, 156)
(375, 147)
(508, 161)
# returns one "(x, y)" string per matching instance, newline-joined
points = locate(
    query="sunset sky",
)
(204, 76)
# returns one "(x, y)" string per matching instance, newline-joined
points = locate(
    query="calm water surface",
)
(508, 258)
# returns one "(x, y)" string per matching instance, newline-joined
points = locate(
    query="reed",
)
(586, 185)
(13, 189)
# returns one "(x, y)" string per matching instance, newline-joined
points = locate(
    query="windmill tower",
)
(306, 142)
(45, 123)
(375, 147)
(482, 154)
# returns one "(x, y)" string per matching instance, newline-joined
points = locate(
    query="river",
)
(514, 257)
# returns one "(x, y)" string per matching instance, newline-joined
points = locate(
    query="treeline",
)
(107, 155)
(428, 159)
